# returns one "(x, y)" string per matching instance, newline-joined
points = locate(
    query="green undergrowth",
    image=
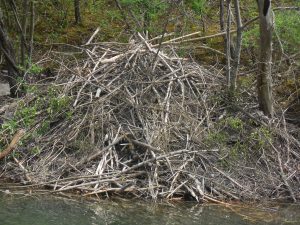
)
(287, 26)
(238, 139)
(38, 113)
(55, 23)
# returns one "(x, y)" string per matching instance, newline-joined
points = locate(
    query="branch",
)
(286, 8)
(12, 144)
(173, 41)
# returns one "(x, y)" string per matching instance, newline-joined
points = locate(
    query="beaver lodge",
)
(135, 119)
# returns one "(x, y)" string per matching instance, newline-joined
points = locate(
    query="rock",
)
(4, 89)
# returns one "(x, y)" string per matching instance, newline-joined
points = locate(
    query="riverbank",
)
(131, 120)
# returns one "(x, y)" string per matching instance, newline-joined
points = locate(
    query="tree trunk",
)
(222, 15)
(77, 11)
(146, 20)
(264, 78)
(233, 45)
(237, 50)
(228, 44)
(23, 36)
(31, 31)
(10, 58)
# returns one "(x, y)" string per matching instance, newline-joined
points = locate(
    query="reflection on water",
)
(57, 211)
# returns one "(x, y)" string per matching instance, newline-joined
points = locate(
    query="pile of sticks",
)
(137, 122)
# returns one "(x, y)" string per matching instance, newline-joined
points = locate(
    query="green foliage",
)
(49, 105)
(235, 123)
(30, 89)
(44, 127)
(223, 130)
(237, 139)
(198, 6)
(10, 127)
(35, 150)
(35, 69)
(262, 136)
(287, 25)
(30, 67)
(27, 115)
(145, 11)
(239, 149)
(58, 104)
(250, 37)
(288, 28)
(216, 138)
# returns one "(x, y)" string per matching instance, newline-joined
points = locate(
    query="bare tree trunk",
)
(13, 6)
(222, 16)
(264, 78)
(237, 50)
(228, 44)
(77, 11)
(23, 36)
(146, 20)
(9, 54)
(31, 30)
(232, 48)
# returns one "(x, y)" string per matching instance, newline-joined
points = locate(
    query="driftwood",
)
(13, 144)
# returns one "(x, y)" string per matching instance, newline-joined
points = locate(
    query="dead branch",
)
(13, 144)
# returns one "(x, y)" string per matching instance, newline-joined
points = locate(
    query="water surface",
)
(46, 210)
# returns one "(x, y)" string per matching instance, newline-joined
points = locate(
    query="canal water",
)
(42, 210)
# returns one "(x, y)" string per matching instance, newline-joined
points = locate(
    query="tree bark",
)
(77, 11)
(10, 58)
(237, 50)
(228, 44)
(222, 15)
(264, 78)
(31, 31)
(23, 36)
(233, 45)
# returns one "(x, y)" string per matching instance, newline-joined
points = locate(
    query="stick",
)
(282, 174)
(229, 178)
(13, 143)
(98, 153)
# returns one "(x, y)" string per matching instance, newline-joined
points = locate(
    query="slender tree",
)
(238, 46)
(31, 30)
(232, 46)
(264, 78)
(228, 44)
(77, 11)
(23, 34)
